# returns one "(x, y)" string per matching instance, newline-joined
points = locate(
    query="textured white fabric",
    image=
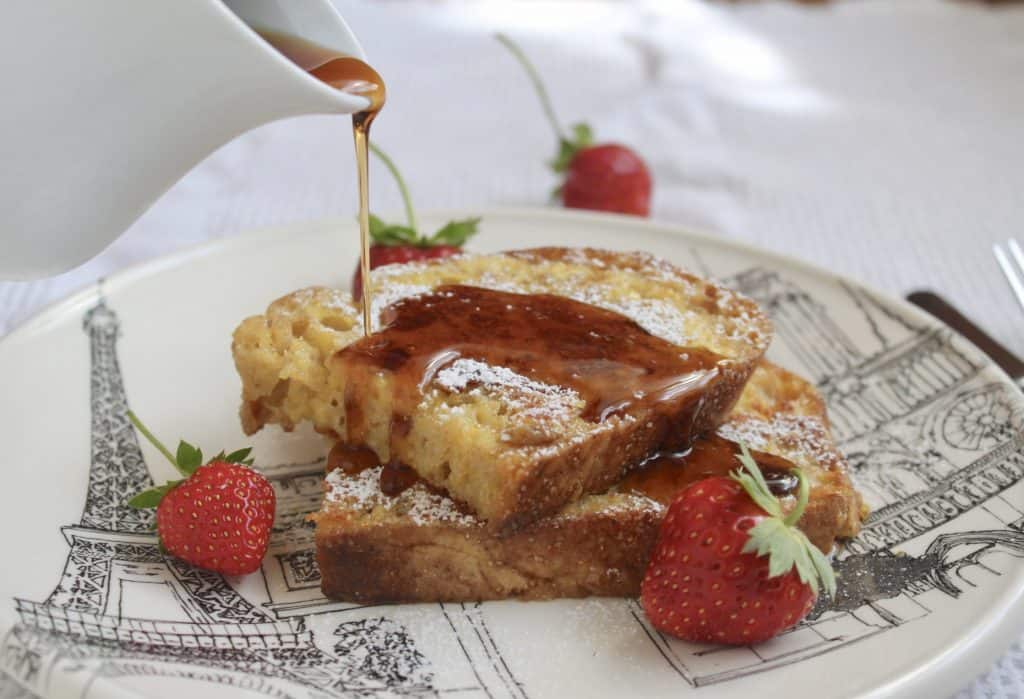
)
(882, 139)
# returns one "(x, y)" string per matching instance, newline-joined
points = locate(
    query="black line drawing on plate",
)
(866, 578)
(930, 437)
(929, 440)
(123, 609)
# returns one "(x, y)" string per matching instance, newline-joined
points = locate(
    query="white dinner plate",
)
(89, 607)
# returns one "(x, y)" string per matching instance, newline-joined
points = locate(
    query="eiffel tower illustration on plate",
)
(101, 621)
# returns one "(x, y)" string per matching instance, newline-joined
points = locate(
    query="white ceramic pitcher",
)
(104, 105)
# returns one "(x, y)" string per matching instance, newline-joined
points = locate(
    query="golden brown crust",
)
(494, 449)
(783, 413)
(422, 547)
(602, 553)
(595, 464)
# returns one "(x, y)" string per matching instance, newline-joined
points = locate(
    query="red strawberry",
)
(608, 178)
(729, 565)
(604, 177)
(395, 243)
(218, 516)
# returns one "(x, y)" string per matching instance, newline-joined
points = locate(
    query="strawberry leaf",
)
(188, 458)
(456, 233)
(239, 456)
(752, 480)
(377, 225)
(788, 548)
(582, 137)
(391, 234)
(147, 499)
(566, 152)
(776, 535)
(152, 497)
(823, 569)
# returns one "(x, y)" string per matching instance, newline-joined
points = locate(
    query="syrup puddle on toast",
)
(607, 359)
(665, 474)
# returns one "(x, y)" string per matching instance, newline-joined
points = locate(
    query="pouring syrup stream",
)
(353, 76)
(361, 133)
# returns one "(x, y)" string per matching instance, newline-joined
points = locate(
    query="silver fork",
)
(1012, 264)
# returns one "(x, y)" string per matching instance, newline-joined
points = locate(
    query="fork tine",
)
(1011, 274)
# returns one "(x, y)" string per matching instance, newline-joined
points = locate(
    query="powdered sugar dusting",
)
(463, 373)
(536, 414)
(802, 439)
(424, 507)
(659, 318)
(662, 318)
(417, 503)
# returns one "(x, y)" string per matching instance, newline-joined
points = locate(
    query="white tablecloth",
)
(882, 139)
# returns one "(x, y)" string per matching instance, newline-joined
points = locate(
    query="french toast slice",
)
(421, 546)
(511, 445)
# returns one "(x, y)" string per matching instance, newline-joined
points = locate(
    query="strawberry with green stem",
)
(218, 515)
(730, 566)
(397, 243)
(601, 177)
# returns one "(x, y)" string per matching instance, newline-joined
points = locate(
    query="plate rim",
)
(964, 658)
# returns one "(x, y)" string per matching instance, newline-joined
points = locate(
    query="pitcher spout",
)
(316, 24)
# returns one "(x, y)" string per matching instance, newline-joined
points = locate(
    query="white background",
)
(883, 139)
